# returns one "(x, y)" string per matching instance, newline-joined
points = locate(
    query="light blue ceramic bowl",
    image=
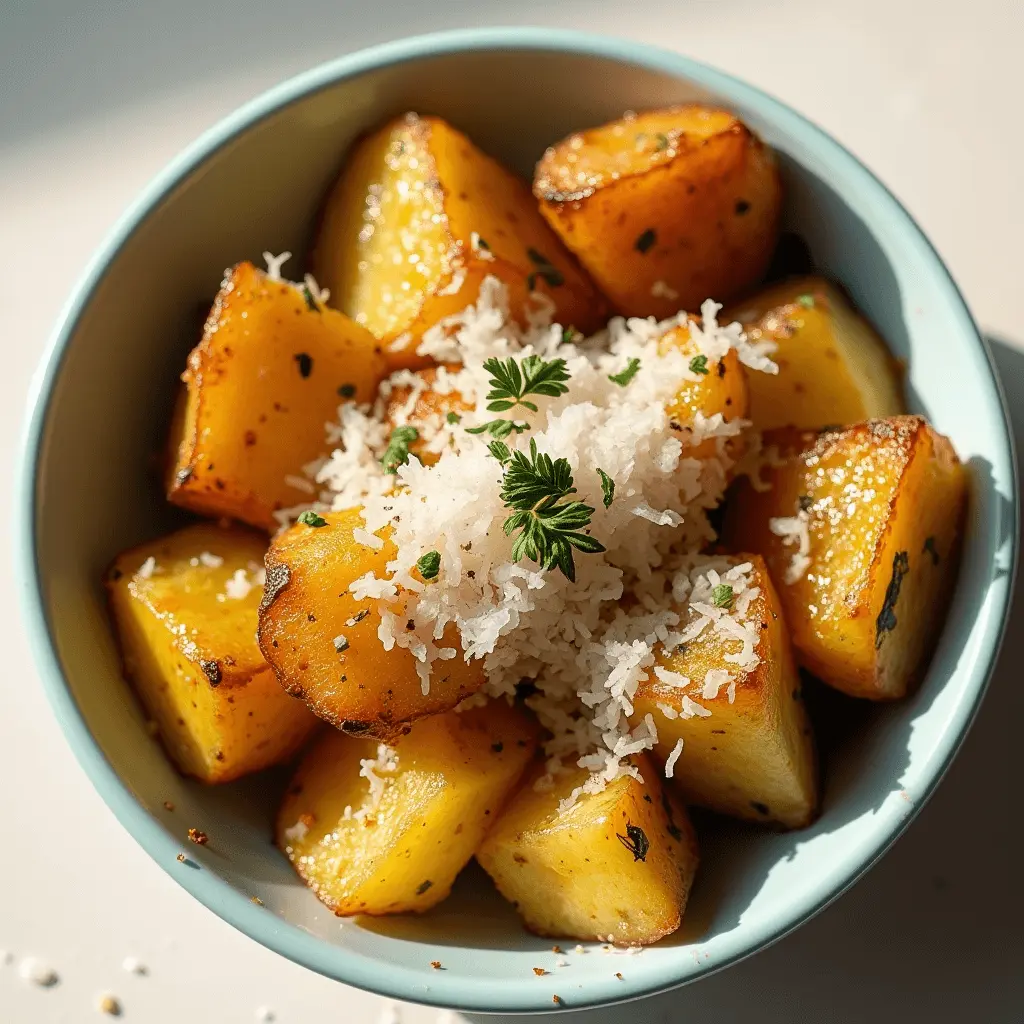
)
(98, 409)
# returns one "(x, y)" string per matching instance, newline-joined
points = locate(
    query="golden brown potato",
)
(441, 787)
(753, 756)
(617, 866)
(186, 624)
(272, 368)
(429, 407)
(665, 209)
(324, 644)
(417, 220)
(720, 388)
(833, 368)
(860, 528)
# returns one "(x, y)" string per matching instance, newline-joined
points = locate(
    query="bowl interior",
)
(255, 184)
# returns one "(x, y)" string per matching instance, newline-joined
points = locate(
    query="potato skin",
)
(454, 773)
(190, 654)
(396, 241)
(833, 366)
(618, 863)
(665, 209)
(270, 372)
(753, 758)
(884, 503)
(364, 689)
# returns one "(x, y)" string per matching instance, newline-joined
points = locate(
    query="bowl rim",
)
(391, 980)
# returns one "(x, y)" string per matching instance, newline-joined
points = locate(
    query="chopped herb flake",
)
(721, 595)
(623, 378)
(498, 428)
(886, 621)
(570, 335)
(661, 142)
(453, 417)
(930, 549)
(805, 502)
(742, 207)
(429, 564)
(423, 887)
(807, 301)
(347, 391)
(607, 487)
(305, 362)
(310, 518)
(397, 452)
(699, 364)
(307, 294)
(545, 270)
(646, 240)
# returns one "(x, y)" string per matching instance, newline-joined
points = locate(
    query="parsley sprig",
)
(534, 487)
(510, 383)
(625, 376)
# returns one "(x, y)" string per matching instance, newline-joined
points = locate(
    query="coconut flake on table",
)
(586, 654)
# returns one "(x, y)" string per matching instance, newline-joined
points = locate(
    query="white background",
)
(93, 103)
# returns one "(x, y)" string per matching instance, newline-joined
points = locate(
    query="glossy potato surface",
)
(883, 504)
(352, 682)
(666, 208)
(269, 374)
(190, 651)
(419, 217)
(450, 779)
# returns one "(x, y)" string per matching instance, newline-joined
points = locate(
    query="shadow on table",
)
(933, 932)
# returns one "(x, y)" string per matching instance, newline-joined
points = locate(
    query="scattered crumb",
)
(557, 1000)
(38, 972)
(264, 1014)
(133, 965)
(539, 971)
(579, 949)
(256, 900)
(168, 806)
(557, 949)
(181, 858)
(198, 837)
(618, 974)
(109, 1005)
(436, 964)
(561, 963)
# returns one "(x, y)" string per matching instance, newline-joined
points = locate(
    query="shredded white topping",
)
(794, 531)
(670, 761)
(147, 568)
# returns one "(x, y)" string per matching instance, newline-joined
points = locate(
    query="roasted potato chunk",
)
(272, 368)
(417, 220)
(860, 528)
(665, 209)
(617, 864)
(440, 788)
(720, 387)
(185, 611)
(833, 367)
(324, 644)
(747, 748)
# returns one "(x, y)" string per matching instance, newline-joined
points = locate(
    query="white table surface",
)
(93, 103)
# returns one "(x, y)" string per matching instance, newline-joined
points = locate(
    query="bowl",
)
(100, 404)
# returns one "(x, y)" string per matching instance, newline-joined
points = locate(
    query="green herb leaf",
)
(397, 452)
(699, 364)
(310, 301)
(646, 240)
(347, 391)
(721, 595)
(533, 486)
(510, 383)
(607, 487)
(498, 428)
(661, 142)
(500, 451)
(623, 378)
(429, 564)
(310, 518)
(807, 301)
(570, 336)
(545, 270)
(453, 417)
